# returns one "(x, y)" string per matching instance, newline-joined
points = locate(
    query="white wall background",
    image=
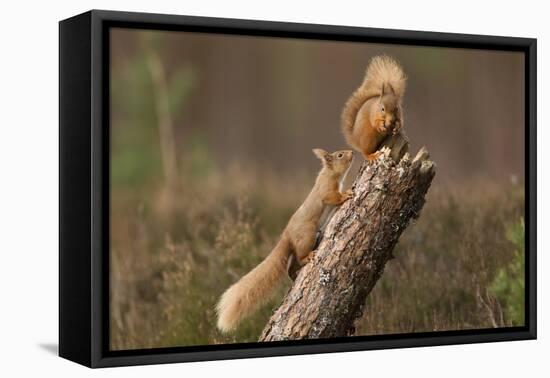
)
(29, 186)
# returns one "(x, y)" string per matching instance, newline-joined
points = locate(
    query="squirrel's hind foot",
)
(308, 258)
(347, 194)
(372, 157)
(377, 154)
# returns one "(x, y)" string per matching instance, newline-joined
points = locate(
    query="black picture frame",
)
(84, 187)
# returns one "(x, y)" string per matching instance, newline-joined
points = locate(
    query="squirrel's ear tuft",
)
(320, 153)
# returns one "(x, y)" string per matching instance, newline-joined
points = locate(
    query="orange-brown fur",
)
(375, 109)
(298, 239)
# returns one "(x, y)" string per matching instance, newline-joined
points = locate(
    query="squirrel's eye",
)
(382, 109)
(339, 156)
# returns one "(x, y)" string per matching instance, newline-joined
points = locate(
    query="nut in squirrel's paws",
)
(396, 127)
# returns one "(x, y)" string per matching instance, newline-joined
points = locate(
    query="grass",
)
(175, 250)
(446, 264)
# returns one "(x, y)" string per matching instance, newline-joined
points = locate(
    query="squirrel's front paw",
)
(380, 126)
(347, 194)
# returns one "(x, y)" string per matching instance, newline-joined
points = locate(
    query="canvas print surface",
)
(250, 186)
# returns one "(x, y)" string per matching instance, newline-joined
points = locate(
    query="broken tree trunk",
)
(329, 293)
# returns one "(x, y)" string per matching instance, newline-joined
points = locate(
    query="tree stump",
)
(329, 293)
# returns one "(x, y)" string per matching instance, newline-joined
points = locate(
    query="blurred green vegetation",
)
(198, 162)
(447, 262)
(135, 143)
(509, 283)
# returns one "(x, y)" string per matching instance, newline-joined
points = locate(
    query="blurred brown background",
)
(275, 99)
(211, 140)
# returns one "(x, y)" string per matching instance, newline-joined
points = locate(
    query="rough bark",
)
(329, 293)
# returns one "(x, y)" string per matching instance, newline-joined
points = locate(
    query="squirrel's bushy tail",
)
(253, 289)
(381, 71)
(384, 70)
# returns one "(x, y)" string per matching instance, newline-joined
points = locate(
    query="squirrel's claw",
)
(377, 154)
(372, 157)
(348, 194)
(309, 257)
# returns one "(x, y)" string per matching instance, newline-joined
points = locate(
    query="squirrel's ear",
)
(383, 89)
(320, 153)
(391, 88)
